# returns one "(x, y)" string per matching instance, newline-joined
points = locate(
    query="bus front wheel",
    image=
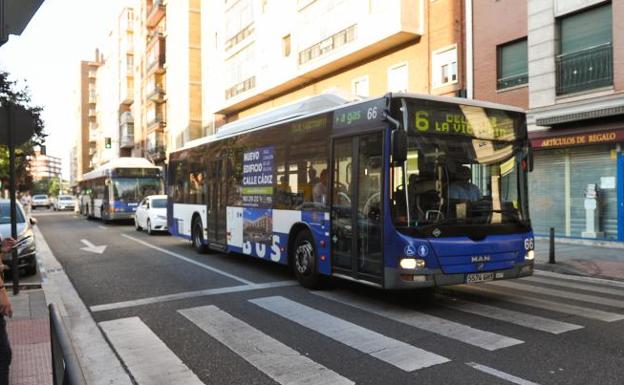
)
(304, 261)
(197, 236)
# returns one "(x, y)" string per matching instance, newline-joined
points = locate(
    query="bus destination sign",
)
(473, 121)
(361, 115)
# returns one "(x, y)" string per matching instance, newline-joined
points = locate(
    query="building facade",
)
(44, 166)
(258, 55)
(86, 139)
(565, 66)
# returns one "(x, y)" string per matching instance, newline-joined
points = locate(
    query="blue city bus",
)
(401, 191)
(113, 190)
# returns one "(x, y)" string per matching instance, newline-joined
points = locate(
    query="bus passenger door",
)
(216, 202)
(356, 207)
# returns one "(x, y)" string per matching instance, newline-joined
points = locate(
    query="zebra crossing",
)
(539, 313)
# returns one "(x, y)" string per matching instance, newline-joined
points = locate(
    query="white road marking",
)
(189, 294)
(466, 334)
(569, 277)
(147, 358)
(90, 247)
(523, 319)
(189, 260)
(574, 285)
(558, 307)
(103, 227)
(558, 293)
(278, 361)
(394, 352)
(497, 373)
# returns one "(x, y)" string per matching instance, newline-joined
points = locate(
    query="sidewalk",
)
(29, 333)
(580, 258)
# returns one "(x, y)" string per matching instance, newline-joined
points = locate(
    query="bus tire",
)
(197, 236)
(304, 261)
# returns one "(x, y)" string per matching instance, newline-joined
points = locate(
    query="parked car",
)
(40, 200)
(65, 202)
(151, 214)
(26, 247)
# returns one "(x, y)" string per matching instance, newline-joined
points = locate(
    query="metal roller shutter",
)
(547, 189)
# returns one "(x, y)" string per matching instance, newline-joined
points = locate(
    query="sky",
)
(46, 57)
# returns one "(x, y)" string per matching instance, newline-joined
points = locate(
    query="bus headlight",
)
(412, 263)
(530, 255)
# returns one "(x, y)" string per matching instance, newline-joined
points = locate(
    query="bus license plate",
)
(479, 277)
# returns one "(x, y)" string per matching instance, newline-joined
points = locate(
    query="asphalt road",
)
(229, 319)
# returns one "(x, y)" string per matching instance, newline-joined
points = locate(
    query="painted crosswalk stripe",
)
(389, 350)
(189, 294)
(147, 358)
(502, 375)
(464, 333)
(559, 293)
(517, 318)
(558, 307)
(574, 285)
(281, 363)
(567, 277)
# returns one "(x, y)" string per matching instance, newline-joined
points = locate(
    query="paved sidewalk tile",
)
(29, 334)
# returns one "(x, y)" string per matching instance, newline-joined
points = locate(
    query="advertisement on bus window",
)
(258, 169)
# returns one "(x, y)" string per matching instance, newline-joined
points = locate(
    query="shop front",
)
(577, 185)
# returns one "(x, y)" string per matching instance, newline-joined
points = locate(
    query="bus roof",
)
(321, 104)
(123, 162)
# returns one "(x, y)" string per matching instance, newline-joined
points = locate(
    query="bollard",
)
(551, 250)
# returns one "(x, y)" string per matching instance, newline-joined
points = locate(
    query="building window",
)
(360, 86)
(327, 45)
(585, 59)
(238, 23)
(286, 45)
(398, 78)
(444, 67)
(513, 67)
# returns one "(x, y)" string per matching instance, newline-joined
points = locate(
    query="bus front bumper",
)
(120, 215)
(406, 279)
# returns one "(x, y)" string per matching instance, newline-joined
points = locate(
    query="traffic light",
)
(107, 143)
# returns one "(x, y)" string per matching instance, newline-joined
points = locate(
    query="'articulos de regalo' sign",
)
(578, 139)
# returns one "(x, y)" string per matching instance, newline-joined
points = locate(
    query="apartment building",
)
(44, 166)
(257, 55)
(163, 110)
(564, 64)
(86, 140)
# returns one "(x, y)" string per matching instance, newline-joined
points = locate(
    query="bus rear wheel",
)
(304, 261)
(197, 236)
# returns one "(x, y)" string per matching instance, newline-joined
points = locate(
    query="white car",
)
(65, 202)
(40, 200)
(151, 214)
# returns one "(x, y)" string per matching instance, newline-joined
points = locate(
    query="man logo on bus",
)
(423, 251)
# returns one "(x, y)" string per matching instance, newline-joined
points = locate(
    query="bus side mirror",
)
(530, 159)
(399, 146)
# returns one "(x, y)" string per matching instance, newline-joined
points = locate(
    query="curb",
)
(564, 268)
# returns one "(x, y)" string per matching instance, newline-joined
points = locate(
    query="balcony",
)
(512, 81)
(585, 70)
(155, 13)
(156, 153)
(156, 94)
(156, 55)
(156, 123)
(126, 130)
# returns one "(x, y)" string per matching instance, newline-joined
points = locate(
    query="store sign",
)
(578, 140)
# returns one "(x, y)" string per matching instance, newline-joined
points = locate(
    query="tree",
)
(11, 93)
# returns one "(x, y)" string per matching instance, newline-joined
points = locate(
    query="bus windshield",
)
(463, 168)
(135, 189)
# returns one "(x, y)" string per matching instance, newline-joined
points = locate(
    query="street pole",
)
(14, 264)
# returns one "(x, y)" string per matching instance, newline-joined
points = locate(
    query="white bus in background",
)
(113, 190)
